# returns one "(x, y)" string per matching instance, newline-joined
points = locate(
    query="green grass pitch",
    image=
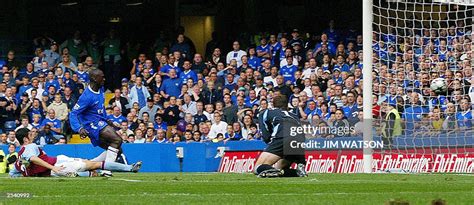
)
(217, 188)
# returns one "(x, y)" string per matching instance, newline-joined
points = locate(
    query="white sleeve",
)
(14, 173)
(212, 132)
(229, 55)
(30, 150)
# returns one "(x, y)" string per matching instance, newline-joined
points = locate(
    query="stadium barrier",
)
(197, 157)
(438, 160)
(413, 155)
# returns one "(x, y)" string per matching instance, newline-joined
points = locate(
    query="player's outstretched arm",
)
(80, 106)
(38, 161)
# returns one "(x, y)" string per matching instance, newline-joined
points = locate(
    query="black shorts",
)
(282, 148)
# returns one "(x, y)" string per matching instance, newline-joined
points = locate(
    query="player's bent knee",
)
(267, 158)
(282, 164)
(111, 137)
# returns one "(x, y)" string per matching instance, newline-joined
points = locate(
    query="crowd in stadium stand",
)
(178, 95)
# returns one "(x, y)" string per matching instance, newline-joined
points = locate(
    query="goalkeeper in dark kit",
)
(275, 124)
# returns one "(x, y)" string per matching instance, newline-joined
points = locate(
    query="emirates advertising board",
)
(418, 160)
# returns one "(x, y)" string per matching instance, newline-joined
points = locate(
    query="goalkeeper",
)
(276, 159)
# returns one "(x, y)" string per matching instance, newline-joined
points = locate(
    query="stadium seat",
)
(76, 139)
(108, 96)
(9, 126)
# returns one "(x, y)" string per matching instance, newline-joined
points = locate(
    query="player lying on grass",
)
(276, 159)
(88, 118)
(33, 162)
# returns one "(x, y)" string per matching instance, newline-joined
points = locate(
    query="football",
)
(439, 86)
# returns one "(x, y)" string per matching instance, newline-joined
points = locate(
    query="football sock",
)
(262, 168)
(121, 159)
(114, 166)
(84, 174)
(290, 173)
(111, 154)
(100, 158)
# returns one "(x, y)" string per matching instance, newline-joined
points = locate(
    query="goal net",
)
(414, 43)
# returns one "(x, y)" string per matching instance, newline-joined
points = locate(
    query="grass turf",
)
(214, 188)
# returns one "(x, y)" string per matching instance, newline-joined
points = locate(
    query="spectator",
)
(171, 115)
(230, 135)
(131, 138)
(235, 54)
(150, 108)
(187, 73)
(76, 46)
(341, 125)
(200, 116)
(3, 139)
(35, 82)
(54, 124)
(188, 136)
(359, 126)
(116, 117)
(150, 135)
(160, 124)
(66, 64)
(119, 101)
(139, 93)
(393, 126)
(230, 110)
(160, 136)
(112, 50)
(182, 46)
(171, 86)
(12, 61)
(59, 107)
(197, 136)
(464, 115)
(139, 138)
(8, 108)
(8, 79)
(124, 129)
(264, 50)
(93, 48)
(188, 106)
(11, 157)
(61, 140)
(45, 136)
(38, 59)
(11, 139)
(295, 38)
(24, 123)
(246, 126)
(51, 55)
(36, 122)
(219, 127)
(218, 138)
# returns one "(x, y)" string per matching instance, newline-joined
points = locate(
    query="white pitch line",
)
(127, 180)
(244, 194)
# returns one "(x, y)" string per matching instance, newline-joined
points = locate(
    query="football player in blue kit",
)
(89, 119)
